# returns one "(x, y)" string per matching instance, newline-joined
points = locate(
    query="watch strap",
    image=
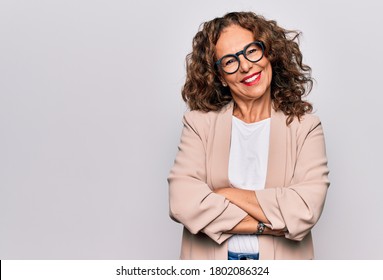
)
(260, 228)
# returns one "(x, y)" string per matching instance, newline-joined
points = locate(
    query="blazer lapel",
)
(221, 148)
(276, 167)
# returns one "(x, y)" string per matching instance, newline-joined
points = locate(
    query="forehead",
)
(232, 39)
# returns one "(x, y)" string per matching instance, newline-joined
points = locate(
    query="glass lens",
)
(254, 52)
(229, 63)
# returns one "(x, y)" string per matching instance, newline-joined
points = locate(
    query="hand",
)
(274, 232)
(222, 191)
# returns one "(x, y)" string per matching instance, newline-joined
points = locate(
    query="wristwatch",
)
(260, 228)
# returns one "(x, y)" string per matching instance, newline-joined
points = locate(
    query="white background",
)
(90, 119)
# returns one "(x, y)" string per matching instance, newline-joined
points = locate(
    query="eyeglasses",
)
(253, 52)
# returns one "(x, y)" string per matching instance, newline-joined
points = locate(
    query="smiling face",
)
(252, 80)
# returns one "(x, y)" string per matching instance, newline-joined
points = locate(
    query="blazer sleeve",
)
(297, 207)
(191, 201)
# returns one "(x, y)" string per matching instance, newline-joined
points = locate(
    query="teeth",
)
(252, 79)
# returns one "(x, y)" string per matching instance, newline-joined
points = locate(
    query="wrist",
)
(260, 228)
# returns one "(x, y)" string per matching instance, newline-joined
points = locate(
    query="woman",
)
(250, 177)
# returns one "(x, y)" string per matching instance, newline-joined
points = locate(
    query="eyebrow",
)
(236, 53)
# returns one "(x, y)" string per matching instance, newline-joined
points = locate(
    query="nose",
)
(244, 64)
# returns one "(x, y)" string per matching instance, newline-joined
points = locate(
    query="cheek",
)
(268, 71)
(231, 79)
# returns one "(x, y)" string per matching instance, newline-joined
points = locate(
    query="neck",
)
(252, 111)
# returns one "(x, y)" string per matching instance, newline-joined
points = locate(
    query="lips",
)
(251, 79)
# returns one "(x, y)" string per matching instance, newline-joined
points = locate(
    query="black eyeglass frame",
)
(236, 55)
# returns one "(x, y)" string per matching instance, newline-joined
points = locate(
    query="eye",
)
(254, 52)
(251, 50)
(229, 61)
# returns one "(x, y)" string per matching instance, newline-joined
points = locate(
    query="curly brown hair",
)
(291, 79)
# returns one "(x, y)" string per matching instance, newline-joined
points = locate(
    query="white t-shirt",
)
(249, 150)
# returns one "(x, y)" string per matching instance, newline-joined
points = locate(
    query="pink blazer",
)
(293, 198)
